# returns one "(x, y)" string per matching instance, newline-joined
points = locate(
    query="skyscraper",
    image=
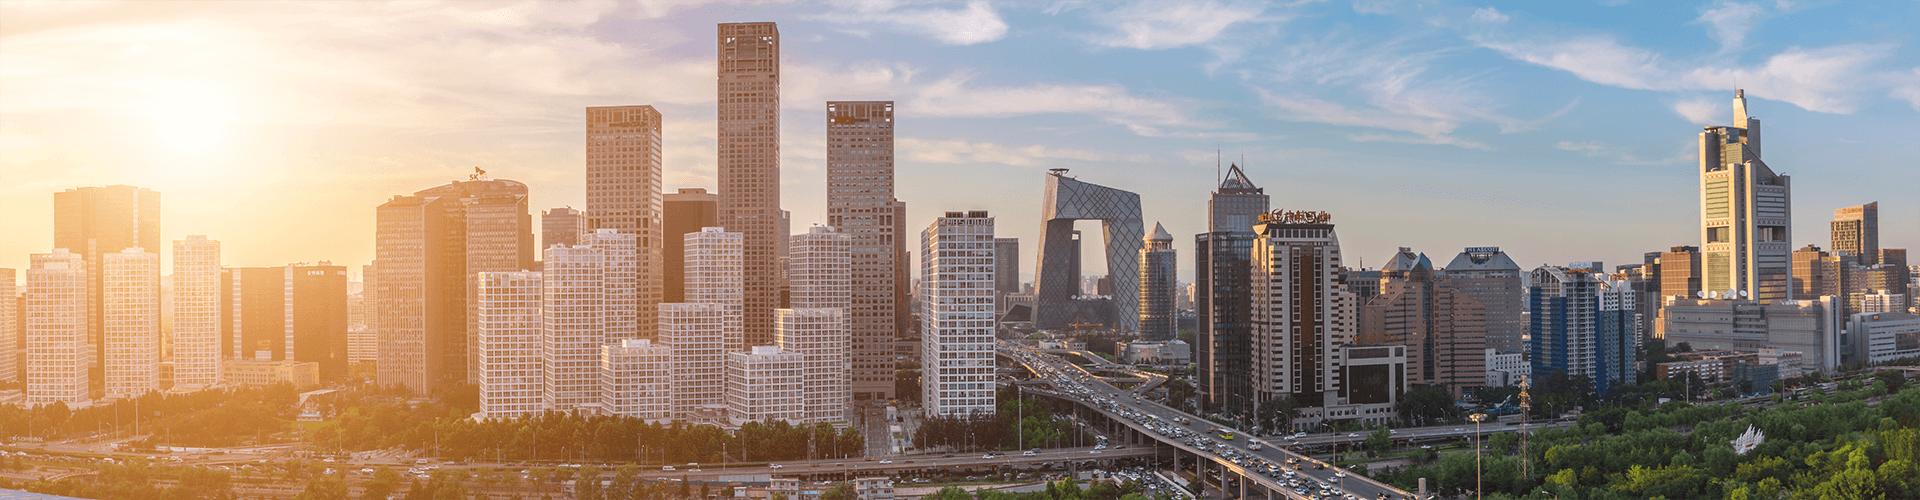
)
(512, 380)
(132, 322)
(427, 248)
(1488, 275)
(1582, 326)
(715, 276)
(1159, 273)
(1302, 317)
(956, 315)
(196, 312)
(56, 329)
(11, 353)
(622, 286)
(686, 211)
(1006, 268)
(1444, 328)
(296, 312)
(1856, 230)
(562, 226)
(860, 202)
(1068, 200)
(1746, 212)
(95, 221)
(623, 194)
(1680, 272)
(700, 332)
(816, 326)
(749, 132)
(1223, 293)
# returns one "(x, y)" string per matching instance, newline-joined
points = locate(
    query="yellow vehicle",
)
(1226, 434)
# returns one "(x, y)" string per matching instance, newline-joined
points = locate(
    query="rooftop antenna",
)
(1218, 178)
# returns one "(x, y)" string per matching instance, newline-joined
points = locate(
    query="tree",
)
(324, 487)
(842, 491)
(1894, 379)
(1276, 414)
(1427, 404)
(1380, 440)
(385, 480)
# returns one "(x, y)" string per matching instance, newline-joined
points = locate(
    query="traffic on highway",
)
(1277, 468)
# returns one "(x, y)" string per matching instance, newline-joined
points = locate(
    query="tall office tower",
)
(366, 343)
(196, 313)
(574, 317)
(1746, 212)
(1223, 293)
(511, 381)
(956, 314)
(1616, 363)
(764, 385)
(1646, 285)
(860, 202)
(749, 131)
(427, 249)
(563, 226)
(1444, 329)
(1856, 230)
(1680, 272)
(635, 377)
(1582, 326)
(132, 322)
(1491, 277)
(715, 276)
(1302, 317)
(686, 211)
(295, 312)
(10, 341)
(623, 194)
(1006, 270)
(1068, 200)
(93, 222)
(1159, 283)
(694, 334)
(816, 327)
(1817, 272)
(57, 354)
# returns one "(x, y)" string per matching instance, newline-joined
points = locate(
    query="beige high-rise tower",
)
(1746, 212)
(623, 193)
(860, 202)
(749, 131)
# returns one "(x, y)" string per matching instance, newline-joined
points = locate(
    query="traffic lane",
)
(972, 459)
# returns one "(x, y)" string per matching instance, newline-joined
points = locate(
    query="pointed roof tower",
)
(1236, 182)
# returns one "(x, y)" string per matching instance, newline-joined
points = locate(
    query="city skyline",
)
(1412, 133)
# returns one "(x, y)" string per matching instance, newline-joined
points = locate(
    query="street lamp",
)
(1477, 487)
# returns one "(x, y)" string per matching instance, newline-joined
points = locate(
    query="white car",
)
(775, 466)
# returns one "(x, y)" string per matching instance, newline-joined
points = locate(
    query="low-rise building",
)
(1883, 337)
(1812, 327)
(256, 372)
(635, 380)
(1792, 364)
(1159, 352)
(1507, 368)
(765, 384)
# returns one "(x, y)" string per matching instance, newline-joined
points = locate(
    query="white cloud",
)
(1624, 155)
(1730, 22)
(975, 22)
(1907, 87)
(957, 96)
(1490, 15)
(1153, 25)
(1703, 111)
(1824, 79)
(961, 151)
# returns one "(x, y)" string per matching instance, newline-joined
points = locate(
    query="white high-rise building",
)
(56, 325)
(131, 321)
(714, 276)
(636, 379)
(622, 297)
(693, 334)
(509, 310)
(820, 278)
(573, 316)
(196, 313)
(10, 351)
(765, 384)
(956, 314)
(1303, 318)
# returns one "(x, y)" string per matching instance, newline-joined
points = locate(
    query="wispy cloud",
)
(962, 151)
(1153, 25)
(1730, 22)
(1703, 111)
(973, 22)
(1624, 155)
(959, 96)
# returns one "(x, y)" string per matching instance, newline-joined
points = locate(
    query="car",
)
(666, 468)
(989, 456)
(775, 466)
(886, 461)
(1352, 435)
(1457, 429)
(1094, 452)
(949, 455)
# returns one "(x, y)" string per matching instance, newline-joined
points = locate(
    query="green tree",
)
(842, 491)
(324, 487)
(384, 482)
(1380, 440)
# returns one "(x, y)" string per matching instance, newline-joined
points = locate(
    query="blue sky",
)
(1560, 131)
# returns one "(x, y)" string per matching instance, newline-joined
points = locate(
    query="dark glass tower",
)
(1223, 293)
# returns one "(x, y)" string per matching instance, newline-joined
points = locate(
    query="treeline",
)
(137, 482)
(225, 417)
(1814, 449)
(569, 436)
(1058, 490)
(1011, 421)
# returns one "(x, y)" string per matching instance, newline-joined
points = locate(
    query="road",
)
(1159, 422)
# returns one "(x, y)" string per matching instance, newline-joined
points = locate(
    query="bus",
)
(1226, 434)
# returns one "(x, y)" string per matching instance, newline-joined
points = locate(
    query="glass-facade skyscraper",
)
(1746, 212)
(1223, 295)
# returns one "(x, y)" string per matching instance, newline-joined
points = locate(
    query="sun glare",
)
(190, 117)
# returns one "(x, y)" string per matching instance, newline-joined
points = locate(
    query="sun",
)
(190, 116)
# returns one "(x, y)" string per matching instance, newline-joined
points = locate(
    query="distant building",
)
(562, 226)
(93, 222)
(748, 86)
(1582, 326)
(1882, 337)
(860, 201)
(1488, 275)
(1812, 327)
(623, 194)
(700, 332)
(766, 384)
(956, 315)
(1745, 223)
(252, 372)
(816, 327)
(1068, 200)
(1856, 231)
(1301, 315)
(1507, 368)
(686, 212)
(11, 330)
(1159, 270)
(1158, 352)
(1680, 273)
(636, 380)
(1443, 328)
(196, 313)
